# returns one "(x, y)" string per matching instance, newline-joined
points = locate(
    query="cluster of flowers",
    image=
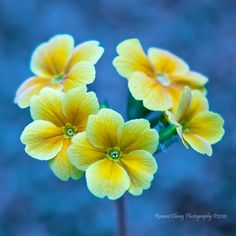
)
(76, 135)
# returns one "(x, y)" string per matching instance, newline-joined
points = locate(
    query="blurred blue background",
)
(33, 202)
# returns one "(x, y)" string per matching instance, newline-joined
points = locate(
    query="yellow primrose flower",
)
(58, 65)
(157, 78)
(196, 126)
(116, 156)
(57, 118)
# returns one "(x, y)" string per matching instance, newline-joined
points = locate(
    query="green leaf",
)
(136, 109)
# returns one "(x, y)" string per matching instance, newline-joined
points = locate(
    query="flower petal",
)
(30, 87)
(184, 103)
(50, 58)
(132, 58)
(82, 153)
(171, 118)
(154, 95)
(81, 73)
(88, 51)
(197, 143)
(166, 62)
(192, 79)
(140, 166)
(207, 125)
(48, 106)
(43, 140)
(77, 105)
(62, 167)
(102, 129)
(107, 178)
(198, 104)
(137, 135)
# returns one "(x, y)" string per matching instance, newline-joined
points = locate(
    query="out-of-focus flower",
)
(57, 118)
(157, 78)
(116, 156)
(58, 65)
(196, 126)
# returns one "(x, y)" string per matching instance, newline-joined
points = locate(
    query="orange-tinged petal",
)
(77, 105)
(43, 140)
(137, 135)
(197, 143)
(166, 62)
(48, 106)
(207, 125)
(102, 129)
(50, 58)
(81, 73)
(62, 167)
(107, 178)
(82, 153)
(154, 95)
(140, 166)
(89, 51)
(132, 58)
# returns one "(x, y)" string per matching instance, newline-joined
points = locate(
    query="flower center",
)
(69, 130)
(58, 78)
(163, 78)
(114, 154)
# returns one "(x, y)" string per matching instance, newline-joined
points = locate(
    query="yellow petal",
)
(50, 58)
(166, 62)
(171, 118)
(48, 106)
(192, 79)
(140, 166)
(43, 140)
(198, 104)
(82, 153)
(154, 95)
(184, 103)
(207, 125)
(88, 51)
(81, 73)
(198, 144)
(174, 91)
(102, 129)
(132, 58)
(107, 178)
(137, 135)
(77, 105)
(62, 167)
(30, 87)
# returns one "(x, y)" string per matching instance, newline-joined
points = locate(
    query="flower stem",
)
(120, 208)
(167, 133)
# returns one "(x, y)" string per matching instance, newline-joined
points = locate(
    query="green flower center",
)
(69, 130)
(163, 78)
(58, 78)
(114, 154)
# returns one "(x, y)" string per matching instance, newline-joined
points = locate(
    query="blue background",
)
(33, 202)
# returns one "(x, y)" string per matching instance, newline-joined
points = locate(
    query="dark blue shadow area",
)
(33, 202)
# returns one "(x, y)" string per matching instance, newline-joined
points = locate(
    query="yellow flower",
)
(58, 65)
(116, 156)
(196, 126)
(157, 78)
(57, 118)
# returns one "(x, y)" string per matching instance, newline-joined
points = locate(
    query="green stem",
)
(167, 133)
